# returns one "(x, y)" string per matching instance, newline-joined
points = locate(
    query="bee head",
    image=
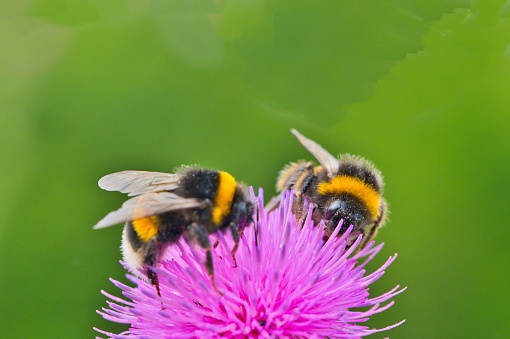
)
(246, 212)
(242, 209)
(348, 209)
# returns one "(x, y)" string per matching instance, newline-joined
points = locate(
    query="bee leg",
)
(327, 233)
(236, 234)
(210, 270)
(216, 243)
(367, 237)
(203, 240)
(150, 254)
(378, 223)
(153, 277)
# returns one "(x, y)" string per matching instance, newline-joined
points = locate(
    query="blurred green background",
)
(422, 88)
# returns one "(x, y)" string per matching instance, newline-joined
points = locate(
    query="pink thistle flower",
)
(288, 283)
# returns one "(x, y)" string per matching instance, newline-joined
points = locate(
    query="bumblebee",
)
(191, 203)
(347, 188)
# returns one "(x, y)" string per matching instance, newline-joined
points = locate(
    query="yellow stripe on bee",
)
(224, 196)
(343, 184)
(146, 227)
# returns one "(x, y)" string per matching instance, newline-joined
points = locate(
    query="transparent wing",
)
(329, 162)
(139, 182)
(147, 205)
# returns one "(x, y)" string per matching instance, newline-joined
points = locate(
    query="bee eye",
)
(334, 207)
(242, 208)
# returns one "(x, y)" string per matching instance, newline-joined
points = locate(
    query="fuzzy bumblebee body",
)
(192, 203)
(347, 188)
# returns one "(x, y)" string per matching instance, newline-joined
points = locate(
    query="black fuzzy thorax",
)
(199, 183)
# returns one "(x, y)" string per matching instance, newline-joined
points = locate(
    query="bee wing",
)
(329, 162)
(139, 182)
(146, 205)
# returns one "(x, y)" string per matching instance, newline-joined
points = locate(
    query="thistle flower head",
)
(288, 283)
